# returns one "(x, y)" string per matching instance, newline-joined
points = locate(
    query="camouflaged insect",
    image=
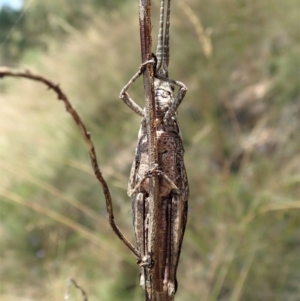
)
(173, 182)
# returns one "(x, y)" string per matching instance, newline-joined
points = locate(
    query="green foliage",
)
(44, 23)
(10, 50)
(240, 124)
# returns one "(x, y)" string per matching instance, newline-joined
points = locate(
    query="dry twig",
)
(83, 292)
(146, 46)
(6, 72)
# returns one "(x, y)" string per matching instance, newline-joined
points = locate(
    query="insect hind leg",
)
(140, 208)
(178, 222)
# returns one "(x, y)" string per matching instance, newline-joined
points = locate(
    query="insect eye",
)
(166, 93)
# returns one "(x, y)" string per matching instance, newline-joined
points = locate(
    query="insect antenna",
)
(166, 51)
(163, 49)
(160, 42)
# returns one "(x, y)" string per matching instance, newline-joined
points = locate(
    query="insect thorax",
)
(163, 97)
(169, 145)
(163, 91)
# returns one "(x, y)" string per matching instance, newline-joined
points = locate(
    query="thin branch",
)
(83, 292)
(6, 72)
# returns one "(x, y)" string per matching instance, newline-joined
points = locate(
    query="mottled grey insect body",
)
(173, 190)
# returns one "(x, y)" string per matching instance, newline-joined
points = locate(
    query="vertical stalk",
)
(146, 45)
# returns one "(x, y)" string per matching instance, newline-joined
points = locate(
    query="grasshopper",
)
(173, 183)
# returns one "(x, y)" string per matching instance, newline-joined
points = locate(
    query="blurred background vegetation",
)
(240, 123)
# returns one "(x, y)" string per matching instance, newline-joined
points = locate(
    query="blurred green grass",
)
(240, 121)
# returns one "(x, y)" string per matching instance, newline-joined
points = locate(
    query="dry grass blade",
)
(6, 72)
(291, 205)
(83, 231)
(52, 190)
(238, 288)
(196, 22)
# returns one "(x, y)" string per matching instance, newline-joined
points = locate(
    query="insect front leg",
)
(125, 96)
